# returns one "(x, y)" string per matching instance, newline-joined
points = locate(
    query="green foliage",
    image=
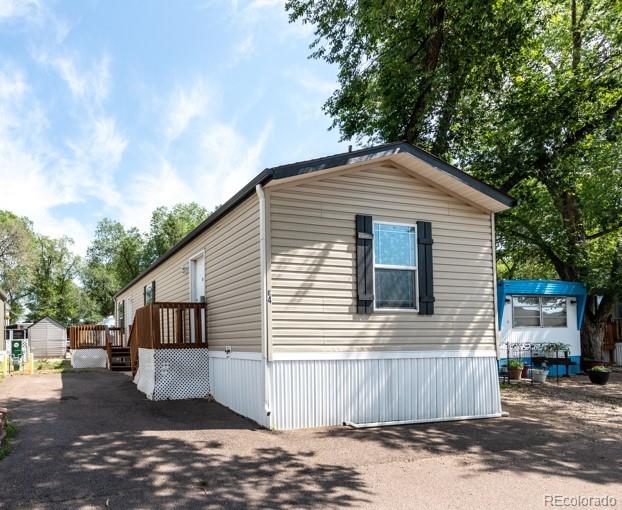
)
(525, 95)
(16, 258)
(52, 289)
(515, 364)
(118, 254)
(5, 446)
(168, 226)
(599, 368)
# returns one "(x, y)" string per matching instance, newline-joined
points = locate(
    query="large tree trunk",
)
(592, 336)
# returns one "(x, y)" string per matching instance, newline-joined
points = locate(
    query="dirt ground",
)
(91, 440)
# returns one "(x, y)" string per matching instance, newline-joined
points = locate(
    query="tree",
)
(168, 226)
(114, 258)
(16, 248)
(52, 290)
(525, 95)
(404, 65)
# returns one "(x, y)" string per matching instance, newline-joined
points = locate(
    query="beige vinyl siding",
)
(47, 339)
(232, 284)
(313, 278)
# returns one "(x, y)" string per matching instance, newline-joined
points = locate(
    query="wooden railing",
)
(168, 325)
(93, 336)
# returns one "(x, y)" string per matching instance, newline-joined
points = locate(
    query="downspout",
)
(263, 262)
(494, 281)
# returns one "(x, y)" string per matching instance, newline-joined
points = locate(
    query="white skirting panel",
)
(89, 358)
(322, 392)
(145, 375)
(237, 383)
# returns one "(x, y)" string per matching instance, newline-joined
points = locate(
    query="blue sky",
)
(112, 108)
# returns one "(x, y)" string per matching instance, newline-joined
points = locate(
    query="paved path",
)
(90, 440)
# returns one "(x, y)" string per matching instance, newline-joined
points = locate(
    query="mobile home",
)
(356, 288)
(537, 315)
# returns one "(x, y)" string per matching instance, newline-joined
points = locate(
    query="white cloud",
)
(185, 105)
(11, 9)
(243, 49)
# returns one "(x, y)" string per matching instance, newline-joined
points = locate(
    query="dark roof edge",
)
(228, 206)
(468, 179)
(324, 163)
(50, 319)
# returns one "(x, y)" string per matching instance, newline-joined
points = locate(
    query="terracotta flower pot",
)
(515, 373)
(600, 378)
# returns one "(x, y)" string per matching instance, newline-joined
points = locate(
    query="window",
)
(618, 311)
(149, 293)
(395, 266)
(539, 312)
(121, 315)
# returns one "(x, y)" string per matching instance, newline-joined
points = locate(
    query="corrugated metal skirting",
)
(238, 385)
(318, 393)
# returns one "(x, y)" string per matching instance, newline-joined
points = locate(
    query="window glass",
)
(525, 311)
(149, 293)
(554, 312)
(395, 288)
(618, 313)
(395, 245)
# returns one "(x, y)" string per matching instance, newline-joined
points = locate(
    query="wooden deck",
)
(168, 325)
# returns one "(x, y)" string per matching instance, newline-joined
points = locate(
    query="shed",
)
(536, 313)
(47, 338)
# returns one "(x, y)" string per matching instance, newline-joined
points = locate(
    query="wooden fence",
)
(93, 336)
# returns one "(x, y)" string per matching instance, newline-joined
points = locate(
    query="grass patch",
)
(5, 447)
(54, 365)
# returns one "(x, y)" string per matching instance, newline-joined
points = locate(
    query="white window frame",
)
(401, 268)
(539, 298)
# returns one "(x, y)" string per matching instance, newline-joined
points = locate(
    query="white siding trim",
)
(235, 355)
(354, 355)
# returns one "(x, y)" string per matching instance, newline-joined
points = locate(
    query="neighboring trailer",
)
(536, 313)
(47, 339)
(354, 288)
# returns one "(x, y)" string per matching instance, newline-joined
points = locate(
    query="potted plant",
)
(515, 369)
(599, 375)
(589, 363)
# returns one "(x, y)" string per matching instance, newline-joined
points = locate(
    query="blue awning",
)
(541, 288)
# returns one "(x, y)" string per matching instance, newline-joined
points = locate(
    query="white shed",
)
(48, 339)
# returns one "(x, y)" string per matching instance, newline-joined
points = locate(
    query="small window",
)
(149, 292)
(395, 266)
(618, 311)
(121, 314)
(554, 312)
(539, 312)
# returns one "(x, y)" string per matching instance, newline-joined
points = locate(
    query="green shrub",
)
(599, 368)
(514, 363)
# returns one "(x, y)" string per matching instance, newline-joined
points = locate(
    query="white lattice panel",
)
(180, 374)
(89, 358)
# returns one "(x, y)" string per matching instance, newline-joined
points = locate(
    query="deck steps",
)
(120, 359)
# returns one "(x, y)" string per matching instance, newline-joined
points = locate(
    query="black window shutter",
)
(364, 264)
(425, 267)
(153, 299)
(145, 295)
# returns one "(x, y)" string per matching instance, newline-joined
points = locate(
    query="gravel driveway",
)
(90, 440)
